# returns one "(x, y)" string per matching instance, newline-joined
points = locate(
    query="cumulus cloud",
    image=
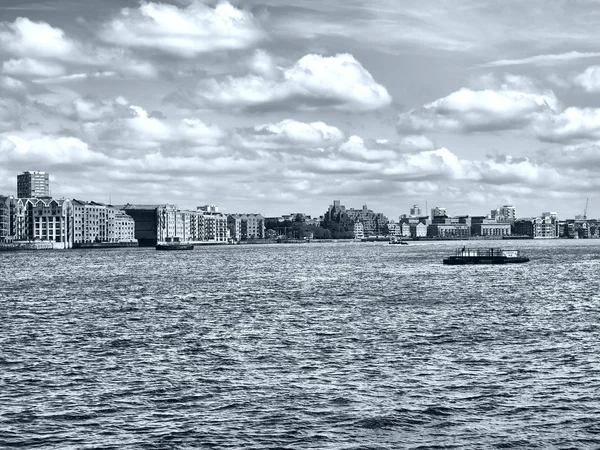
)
(124, 129)
(290, 135)
(589, 80)
(570, 126)
(356, 149)
(185, 32)
(467, 111)
(46, 51)
(338, 82)
(24, 37)
(49, 152)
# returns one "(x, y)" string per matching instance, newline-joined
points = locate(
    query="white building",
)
(546, 226)
(246, 226)
(359, 231)
(99, 223)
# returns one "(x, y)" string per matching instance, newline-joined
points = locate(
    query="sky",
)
(275, 106)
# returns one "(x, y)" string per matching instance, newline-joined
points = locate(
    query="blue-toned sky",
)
(275, 106)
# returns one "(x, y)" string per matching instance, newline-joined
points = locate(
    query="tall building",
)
(505, 213)
(546, 226)
(373, 222)
(437, 212)
(415, 211)
(33, 184)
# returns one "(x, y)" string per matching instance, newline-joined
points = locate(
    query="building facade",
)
(32, 184)
(546, 226)
(359, 231)
(158, 223)
(373, 222)
(243, 227)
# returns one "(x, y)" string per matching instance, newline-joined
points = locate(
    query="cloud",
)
(290, 136)
(10, 115)
(124, 129)
(546, 59)
(76, 77)
(314, 81)
(356, 149)
(589, 80)
(570, 126)
(91, 109)
(46, 51)
(17, 151)
(581, 157)
(37, 39)
(32, 67)
(16, 102)
(417, 142)
(468, 111)
(185, 32)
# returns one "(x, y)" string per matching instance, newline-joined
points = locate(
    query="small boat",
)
(395, 240)
(485, 256)
(174, 244)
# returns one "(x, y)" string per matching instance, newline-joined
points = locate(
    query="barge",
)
(485, 256)
(174, 244)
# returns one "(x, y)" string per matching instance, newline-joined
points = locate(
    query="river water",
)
(320, 346)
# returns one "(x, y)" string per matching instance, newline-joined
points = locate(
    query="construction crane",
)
(585, 210)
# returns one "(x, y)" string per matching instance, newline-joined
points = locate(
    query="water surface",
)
(345, 346)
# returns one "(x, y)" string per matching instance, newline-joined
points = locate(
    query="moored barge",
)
(174, 244)
(485, 256)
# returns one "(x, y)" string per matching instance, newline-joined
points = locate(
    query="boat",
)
(174, 244)
(485, 256)
(395, 240)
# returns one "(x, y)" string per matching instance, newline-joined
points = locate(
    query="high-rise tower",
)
(33, 184)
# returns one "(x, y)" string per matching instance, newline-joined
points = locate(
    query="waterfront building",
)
(418, 230)
(395, 229)
(449, 230)
(121, 226)
(523, 227)
(359, 231)
(406, 229)
(482, 226)
(43, 219)
(546, 226)
(246, 226)
(5, 216)
(95, 223)
(153, 223)
(373, 223)
(494, 228)
(211, 227)
(158, 223)
(32, 184)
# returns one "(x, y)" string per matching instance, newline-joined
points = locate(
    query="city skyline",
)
(282, 106)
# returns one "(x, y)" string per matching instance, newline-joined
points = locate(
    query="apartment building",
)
(246, 226)
(32, 184)
(546, 226)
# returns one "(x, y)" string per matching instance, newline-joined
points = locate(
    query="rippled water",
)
(320, 346)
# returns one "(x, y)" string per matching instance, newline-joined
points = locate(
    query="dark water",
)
(345, 346)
